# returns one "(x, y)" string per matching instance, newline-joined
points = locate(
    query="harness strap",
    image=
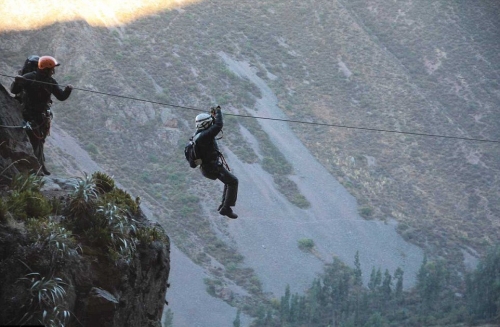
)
(43, 130)
(224, 162)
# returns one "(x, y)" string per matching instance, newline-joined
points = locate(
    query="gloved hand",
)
(213, 109)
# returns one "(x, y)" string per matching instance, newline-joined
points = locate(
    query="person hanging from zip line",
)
(213, 165)
(37, 88)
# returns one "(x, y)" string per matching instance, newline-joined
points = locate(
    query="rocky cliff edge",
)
(73, 252)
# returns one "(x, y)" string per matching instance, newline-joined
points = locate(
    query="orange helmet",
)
(47, 62)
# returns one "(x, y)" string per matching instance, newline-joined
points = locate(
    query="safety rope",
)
(34, 129)
(381, 130)
(4, 126)
(25, 125)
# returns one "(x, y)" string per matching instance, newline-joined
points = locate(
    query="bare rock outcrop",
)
(16, 153)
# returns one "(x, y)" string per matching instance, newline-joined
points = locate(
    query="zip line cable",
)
(281, 119)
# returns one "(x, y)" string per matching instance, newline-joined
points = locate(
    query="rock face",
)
(87, 285)
(98, 292)
(16, 154)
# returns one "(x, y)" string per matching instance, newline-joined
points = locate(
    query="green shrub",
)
(121, 199)
(28, 204)
(103, 182)
(57, 206)
(146, 235)
(51, 235)
(27, 182)
(366, 212)
(274, 165)
(291, 191)
(26, 200)
(16, 204)
(92, 148)
(306, 244)
(99, 237)
(38, 205)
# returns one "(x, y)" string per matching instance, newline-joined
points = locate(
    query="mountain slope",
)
(410, 67)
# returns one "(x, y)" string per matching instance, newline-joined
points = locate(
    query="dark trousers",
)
(37, 140)
(230, 181)
(40, 124)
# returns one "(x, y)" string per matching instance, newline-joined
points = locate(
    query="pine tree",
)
(315, 295)
(237, 322)
(398, 276)
(294, 309)
(483, 287)
(357, 271)
(285, 305)
(432, 279)
(386, 287)
(372, 283)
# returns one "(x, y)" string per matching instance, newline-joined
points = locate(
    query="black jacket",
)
(206, 144)
(36, 97)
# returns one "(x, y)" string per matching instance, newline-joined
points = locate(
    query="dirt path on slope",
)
(270, 226)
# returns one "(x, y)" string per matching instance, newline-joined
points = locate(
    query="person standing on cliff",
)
(37, 89)
(213, 164)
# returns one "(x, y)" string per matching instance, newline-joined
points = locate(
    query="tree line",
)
(440, 297)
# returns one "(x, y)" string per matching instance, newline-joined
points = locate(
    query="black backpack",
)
(30, 65)
(190, 153)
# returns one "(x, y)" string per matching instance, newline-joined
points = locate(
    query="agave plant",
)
(111, 213)
(46, 300)
(52, 235)
(83, 197)
(120, 228)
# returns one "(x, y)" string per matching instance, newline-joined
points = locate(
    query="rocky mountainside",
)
(73, 253)
(15, 149)
(408, 68)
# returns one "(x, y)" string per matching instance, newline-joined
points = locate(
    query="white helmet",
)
(203, 121)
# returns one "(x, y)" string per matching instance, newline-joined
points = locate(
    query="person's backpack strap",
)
(197, 160)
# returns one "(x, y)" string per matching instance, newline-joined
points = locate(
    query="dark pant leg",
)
(37, 143)
(230, 187)
(41, 126)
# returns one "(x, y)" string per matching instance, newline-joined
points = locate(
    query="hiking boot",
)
(45, 171)
(227, 211)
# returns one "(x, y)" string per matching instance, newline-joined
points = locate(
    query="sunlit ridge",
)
(18, 15)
